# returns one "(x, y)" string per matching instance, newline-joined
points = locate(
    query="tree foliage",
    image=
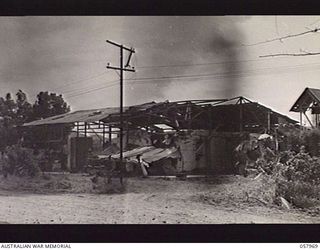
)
(49, 104)
(15, 112)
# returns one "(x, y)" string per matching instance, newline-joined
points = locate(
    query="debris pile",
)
(293, 174)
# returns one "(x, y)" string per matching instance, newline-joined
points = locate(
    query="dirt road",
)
(147, 201)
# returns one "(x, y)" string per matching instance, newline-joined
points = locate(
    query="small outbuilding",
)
(308, 101)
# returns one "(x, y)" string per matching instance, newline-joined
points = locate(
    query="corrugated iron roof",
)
(110, 115)
(91, 115)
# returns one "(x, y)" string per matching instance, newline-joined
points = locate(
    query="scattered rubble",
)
(285, 203)
(294, 175)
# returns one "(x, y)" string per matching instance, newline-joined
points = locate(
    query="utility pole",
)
(122, 69)
(241, 113)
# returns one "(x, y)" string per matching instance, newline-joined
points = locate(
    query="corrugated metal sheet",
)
(134, 152)
(158, 155)
(91, 115)
(149, 154)
(110, 115)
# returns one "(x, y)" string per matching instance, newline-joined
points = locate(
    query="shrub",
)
(303, 167)
(298, 179)
(301, 194)
(20, 162)
(296, 170)
(311, 139)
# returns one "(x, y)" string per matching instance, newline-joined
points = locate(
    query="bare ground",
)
(216, 200)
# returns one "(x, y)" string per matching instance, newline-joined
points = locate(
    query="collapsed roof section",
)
(228, 115)
(149, 154)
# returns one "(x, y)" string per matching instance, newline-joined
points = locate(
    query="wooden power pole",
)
(122, 68)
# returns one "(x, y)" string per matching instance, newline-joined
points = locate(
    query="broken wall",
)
(78, 149)
(192, 149)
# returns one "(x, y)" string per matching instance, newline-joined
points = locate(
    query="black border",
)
(232, 233)
(240, 233)
(159, 7)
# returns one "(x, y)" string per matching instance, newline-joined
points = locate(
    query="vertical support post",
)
(61, 132)
(241, 114)
(301, 119)
(121, 69)
(308, 119)
(127, 137)
(276, 140)
(208, 143)
(77, 124)
(85, 129)
(121, 104)
(103, 134)
(110, 131)
(188, 117)
(269, 121)
(209, 118)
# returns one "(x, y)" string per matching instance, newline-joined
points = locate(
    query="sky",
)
(177, 58)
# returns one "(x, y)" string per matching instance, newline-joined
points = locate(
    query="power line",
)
(95, 89)
(315, 30)
(200, 64)
(224, 74)
(84, 88)
(161, 66)
(198, 77)
(81, 80)
(216, 77)
(92, 90)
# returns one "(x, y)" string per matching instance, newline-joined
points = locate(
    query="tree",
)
(10, 106)
(14, 113)
(8, 115)
(49, 104)
(281, 39)
(24, 111)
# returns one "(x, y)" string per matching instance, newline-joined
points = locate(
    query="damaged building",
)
(166, 138)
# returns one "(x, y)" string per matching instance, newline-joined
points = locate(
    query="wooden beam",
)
(269, 121)
(308, 120)
(103, 134)
(127, 137)
(77, 129)
(210, 118)
(241, 114)
(94, 132)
